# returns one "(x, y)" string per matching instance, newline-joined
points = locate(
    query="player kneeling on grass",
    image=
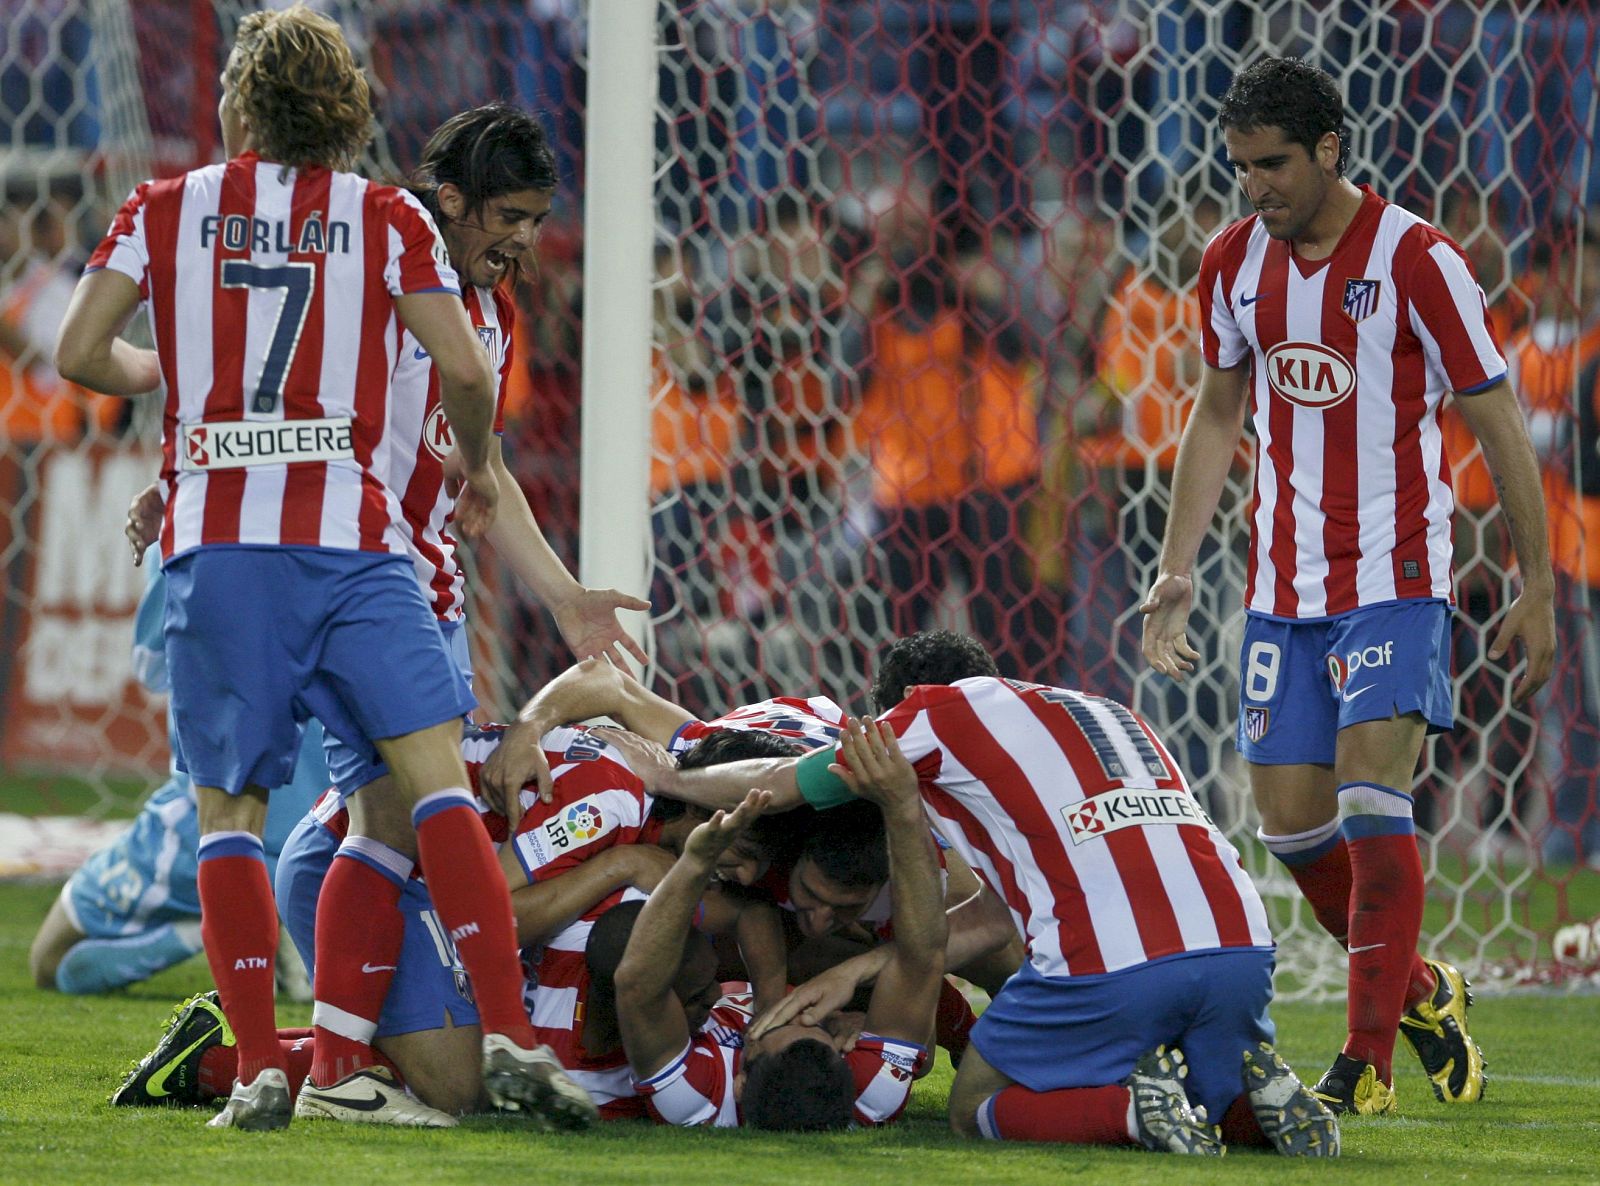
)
(790, 1074)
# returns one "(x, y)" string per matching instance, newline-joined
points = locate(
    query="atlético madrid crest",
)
(1360, 298)
(1255, 722)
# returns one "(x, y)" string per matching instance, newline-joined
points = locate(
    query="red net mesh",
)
(925, 340)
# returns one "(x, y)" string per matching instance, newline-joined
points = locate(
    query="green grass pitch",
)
(59, 1057)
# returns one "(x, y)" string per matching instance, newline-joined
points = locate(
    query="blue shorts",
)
(146, 878)
(260, 640)
(1301, 682)
(1048, 1033)
(430, 983)
(352, 767)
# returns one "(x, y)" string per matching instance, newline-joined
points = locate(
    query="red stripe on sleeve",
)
(1410, 406)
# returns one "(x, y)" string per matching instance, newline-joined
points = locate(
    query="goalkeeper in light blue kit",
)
(133, 909)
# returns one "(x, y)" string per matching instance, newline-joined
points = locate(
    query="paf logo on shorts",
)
(1309, 374)
(1342, 667)
(436, 435)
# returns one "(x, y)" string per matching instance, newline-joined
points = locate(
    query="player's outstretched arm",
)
(907, 991)
(722, 787)
(590, 688)
(88, 350)
(587, 618)
(1205, 455)
(654, 1027)
(1496, 420)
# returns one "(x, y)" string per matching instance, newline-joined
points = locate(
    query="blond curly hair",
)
(294, 80)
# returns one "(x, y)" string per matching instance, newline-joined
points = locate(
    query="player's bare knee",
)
(56, 937)
(964, 1115)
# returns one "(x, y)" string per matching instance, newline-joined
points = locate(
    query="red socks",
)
(220, 1065)
(360, 931)
(1385, 916)
(954, 1021)
(239, 926)
(469, 892)
(1240, 1126)
(1073, 1115)
(1319, 862)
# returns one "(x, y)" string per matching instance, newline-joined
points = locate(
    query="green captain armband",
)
(819, 786)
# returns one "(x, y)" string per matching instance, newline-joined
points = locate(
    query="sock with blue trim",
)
(239, 925)
(1319, 861)
(1070, 1115)
(1385, 916)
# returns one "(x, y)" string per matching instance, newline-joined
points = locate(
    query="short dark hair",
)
(805, 1087)
(725, 745)
(848, 845)
(1288, 93)
(485, 152)
(930, 657)
(607, 942)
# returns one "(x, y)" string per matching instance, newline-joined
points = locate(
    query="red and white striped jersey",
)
(421, 439)
(271, 294)
(1350, 358)
(1075, 814)
(696, 1088)
(812, 722)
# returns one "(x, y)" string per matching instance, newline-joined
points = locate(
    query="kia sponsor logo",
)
(1309, 374)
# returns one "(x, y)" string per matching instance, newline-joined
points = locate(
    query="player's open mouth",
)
(496, 259)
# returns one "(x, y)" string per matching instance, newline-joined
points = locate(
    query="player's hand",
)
(811, 1003)
(1531, 618)
(477, 495)
(646, 758)
(517, 762)
(1166, 616)
(872, 765)
(846, 1027)
(145, 513)
(706, 843)
(588, 624)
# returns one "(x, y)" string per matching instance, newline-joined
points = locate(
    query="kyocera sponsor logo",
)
(1309, 374)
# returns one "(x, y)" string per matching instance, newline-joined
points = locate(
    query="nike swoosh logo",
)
(378, 968)
(1368, 947)
(421, 355)
(157, 1085)
(372, 1105)
(1347, 697)
(1250, 300)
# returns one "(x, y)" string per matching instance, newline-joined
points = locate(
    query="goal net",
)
(923, 344)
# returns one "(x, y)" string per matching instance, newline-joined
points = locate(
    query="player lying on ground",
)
(794, 1075)
(133, 908)
(1147, 941)
(290, 592)
(1342, 323)
(835, 893)
(603, 839)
